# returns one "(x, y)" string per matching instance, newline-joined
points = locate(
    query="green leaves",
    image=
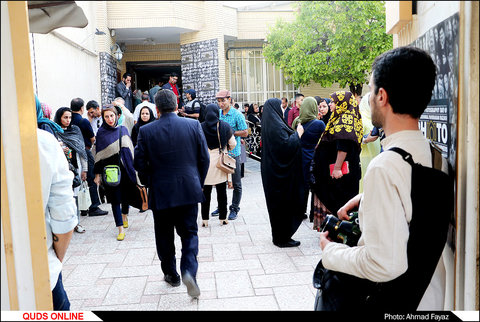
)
(329, 42)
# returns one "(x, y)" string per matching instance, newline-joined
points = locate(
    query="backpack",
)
(203, 107)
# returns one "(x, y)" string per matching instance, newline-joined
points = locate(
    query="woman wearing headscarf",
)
(282, 176)
(45, 123)
(312, 130)
(219, 135)
(324, 110)
(146, 116)
(372, 149)
(252, 114)
(107, 151)
(339, 143)
(73, 145)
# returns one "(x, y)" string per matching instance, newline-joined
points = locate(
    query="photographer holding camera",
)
(401, 86)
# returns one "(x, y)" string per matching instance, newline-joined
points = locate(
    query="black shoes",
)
(97, 212)
(173, 280)
(290, 243)
(192, 286)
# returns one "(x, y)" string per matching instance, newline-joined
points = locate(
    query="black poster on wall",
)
(439, 121)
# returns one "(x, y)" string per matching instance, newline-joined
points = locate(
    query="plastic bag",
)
(84, 200)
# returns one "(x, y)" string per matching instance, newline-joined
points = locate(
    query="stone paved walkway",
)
(239, 267)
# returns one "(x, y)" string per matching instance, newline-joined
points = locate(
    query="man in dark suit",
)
(124, 90)
(172, 85)
(172, 158)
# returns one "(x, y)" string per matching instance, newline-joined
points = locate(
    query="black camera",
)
(342, 231)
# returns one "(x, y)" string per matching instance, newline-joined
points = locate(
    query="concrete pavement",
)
(239, 267)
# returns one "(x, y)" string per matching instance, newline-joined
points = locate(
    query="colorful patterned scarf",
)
(346, 122)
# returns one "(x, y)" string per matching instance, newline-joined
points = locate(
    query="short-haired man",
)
(192, 108)
(124, 90)
(237, 121)
(295, 111)
(385, 207)
(146, 103)
(94, 114)
(77, 106)
(172, 157)
(285, 108)
(172, 85)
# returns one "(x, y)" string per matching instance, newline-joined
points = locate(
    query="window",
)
(252, 80)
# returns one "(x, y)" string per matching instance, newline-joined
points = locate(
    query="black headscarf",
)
(253, 116)
(140, 123)
(326, 117)
(209, 127)
(282, 175)
(72, 135)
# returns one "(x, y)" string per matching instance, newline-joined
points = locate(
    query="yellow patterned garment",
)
(346, 122)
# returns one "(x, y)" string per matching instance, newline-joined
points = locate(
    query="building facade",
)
(209, 44)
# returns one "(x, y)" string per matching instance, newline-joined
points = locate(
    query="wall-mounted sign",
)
(439, 121)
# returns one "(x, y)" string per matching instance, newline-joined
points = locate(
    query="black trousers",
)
(92, 186)
(183, 219)
(221, 199)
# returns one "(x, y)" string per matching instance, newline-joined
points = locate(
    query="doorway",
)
(145, 74)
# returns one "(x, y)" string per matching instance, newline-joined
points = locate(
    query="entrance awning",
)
(45, 16)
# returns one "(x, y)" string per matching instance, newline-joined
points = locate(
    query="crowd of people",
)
(310, 150)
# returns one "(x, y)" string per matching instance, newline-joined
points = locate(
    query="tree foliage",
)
(329, 42)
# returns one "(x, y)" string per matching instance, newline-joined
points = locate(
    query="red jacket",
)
(292, 115)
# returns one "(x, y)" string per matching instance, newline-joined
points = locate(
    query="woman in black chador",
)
(281, 174)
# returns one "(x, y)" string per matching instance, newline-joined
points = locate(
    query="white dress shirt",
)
(384, 214)
(57, 193)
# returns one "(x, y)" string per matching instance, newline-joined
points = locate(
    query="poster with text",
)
(439, 121)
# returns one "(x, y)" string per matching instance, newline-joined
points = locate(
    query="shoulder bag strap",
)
(218, 134)
(405, 155)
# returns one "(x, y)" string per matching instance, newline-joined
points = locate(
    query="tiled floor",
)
(239, 267)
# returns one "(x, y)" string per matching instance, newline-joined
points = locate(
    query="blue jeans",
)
(117, 210)
(60, 298)
(237, 187)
